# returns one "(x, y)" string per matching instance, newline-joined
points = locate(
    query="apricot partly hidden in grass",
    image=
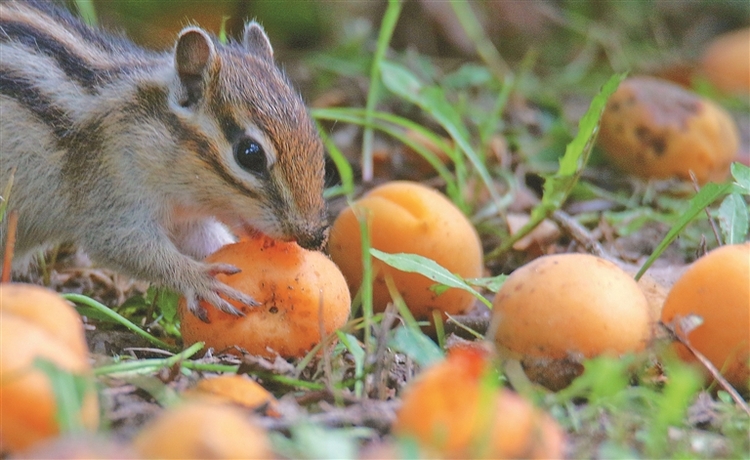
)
(299, 292)
(234, 389)
(726, 62)
(455, 410)
(716, 287)
(202, 430)
(653, 128)
(407, 217)
(560, 309)
(36, 323)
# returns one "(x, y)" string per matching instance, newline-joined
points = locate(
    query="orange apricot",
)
(559, 309)
(37, 323)
(299, 292)
(454, 410)
(407, 217)
(202, 430)
(716, 287)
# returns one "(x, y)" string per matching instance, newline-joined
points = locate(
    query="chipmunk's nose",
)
(314, 239)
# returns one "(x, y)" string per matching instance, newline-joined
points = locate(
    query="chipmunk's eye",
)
(250, 156)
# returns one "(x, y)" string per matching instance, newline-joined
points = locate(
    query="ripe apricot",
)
(567, 307)
(453, 410)
(37, 323)
(407, 217)
(234, 389)
(299, 290)
(716, 287)
(725, 62)
(202, 430)
(656, 129)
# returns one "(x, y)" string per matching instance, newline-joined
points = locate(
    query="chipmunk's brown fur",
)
(142, 158)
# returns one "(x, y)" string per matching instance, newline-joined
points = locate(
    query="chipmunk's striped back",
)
(135, 154)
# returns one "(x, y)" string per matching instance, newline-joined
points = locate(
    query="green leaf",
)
(741, 175)
(416, 345)
(707, 195)
(733, 219)
(492, 284)
(414, 263)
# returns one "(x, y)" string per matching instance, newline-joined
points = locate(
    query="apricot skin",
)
(452, 411)
(202, 430)
(569, 304)
(297, 289)
(37, 323)
(716, 287)
(559, 309)
(407, 217)
(652, 128)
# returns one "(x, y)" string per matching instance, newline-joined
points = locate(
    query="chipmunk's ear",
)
(194, 58)
(256, 41)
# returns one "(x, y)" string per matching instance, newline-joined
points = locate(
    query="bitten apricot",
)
(407, 217)
(656, 129)
(562, 308)
(37, 323)
(716, 287)
(453, 410)
(298, 290)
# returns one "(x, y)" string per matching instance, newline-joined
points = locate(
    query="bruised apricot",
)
(36, 323)
(298, 290)
(656, 129)
(454, 410)
(716, 287)
(407, 217)
(559, 309)
(202, 430)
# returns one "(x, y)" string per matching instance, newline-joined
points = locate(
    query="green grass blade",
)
(707, 195)
(87, 11)
(387, 27)
(69, 391)
(558, 186)
(432, 100)
(116, 317)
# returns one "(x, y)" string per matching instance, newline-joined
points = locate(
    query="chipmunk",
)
(147, 159)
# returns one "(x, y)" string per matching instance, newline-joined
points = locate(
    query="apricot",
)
(453, 410)
(656, 129)
(202, 430)
(716, 287)
(726, 62)
(299, 290)
(407, 217)
(37, 323)
(559, 309)
(234, 389)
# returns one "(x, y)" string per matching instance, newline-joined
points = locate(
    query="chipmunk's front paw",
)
(212, 291)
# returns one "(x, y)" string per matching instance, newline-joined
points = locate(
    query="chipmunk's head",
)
(261, 159)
